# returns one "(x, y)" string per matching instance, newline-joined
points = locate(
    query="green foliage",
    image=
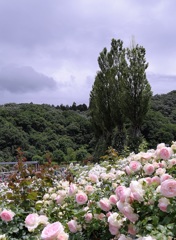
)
(38, 129)
(120, 96)
(81, 154)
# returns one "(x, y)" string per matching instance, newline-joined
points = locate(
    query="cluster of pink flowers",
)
(108, 194)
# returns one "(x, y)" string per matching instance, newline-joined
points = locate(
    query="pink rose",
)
(168, 188)
(32, 221)
(105, 204)
(63, 236)
(72, 189)
(100, 216)
(160, 145)
(156, 180)
(172, 162)
(42, 219)
(89, 189)
(88, 217)
(148, 169)
(165, 153)
(113, 229)
(163, 203)
(113, 220)
(51, 231)
(160, 171)
(81, 198)
(73, 226)
(135, 166)
(165, 177)
(148, 180)
(113, 199)
(123, 193)
(128, 170)
(7, 215)
(127, 210)
(137, 190)
(59, 199)
(93, 177)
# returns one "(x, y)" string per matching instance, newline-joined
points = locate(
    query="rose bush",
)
(127, 198)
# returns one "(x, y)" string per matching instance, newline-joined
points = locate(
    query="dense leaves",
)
(39, 129)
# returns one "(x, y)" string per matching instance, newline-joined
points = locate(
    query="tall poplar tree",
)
(120, 95)
(135, 91)
(105, 97)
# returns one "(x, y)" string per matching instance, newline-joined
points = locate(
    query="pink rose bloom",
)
(42, 219)
(72, 189)
(165, 153)
(148, 169)
(161, 145)
(93, 177)
(108, 214)
(7, 215)
(168, 188)
(105, 204)
(104, 176)
(135, 166)
(128, 170)
(73, 226)
(162, 164)
(123, 193)
(100, 216)
(88, 217)
(163, 203)
(113, 199)
(113, 220)
(148, 180)
(146, 156)
(137, 190)
(126, 209)
(63, 236)
(111, 175)
(81, 198)
(59, 199)
(89, 189)
(160, 171)
(113, 229)
(51, 231)
(32, 221)
(165, 177)
(156, 180)
(172, 162)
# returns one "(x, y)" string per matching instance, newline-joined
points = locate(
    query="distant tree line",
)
(43, 132)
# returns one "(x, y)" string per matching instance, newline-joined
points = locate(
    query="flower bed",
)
(129, 198)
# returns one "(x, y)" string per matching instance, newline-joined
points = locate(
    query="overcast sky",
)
(49, 48)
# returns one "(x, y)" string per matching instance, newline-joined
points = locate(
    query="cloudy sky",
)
(49, 48)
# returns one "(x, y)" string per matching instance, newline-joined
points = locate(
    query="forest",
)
(64, 133)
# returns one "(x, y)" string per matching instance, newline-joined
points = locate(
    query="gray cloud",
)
(161, 83)
(64, 38)
(24, 79)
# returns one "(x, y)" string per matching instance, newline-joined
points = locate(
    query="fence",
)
(7, 168)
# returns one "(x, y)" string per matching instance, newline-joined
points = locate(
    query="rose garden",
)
(119, 198)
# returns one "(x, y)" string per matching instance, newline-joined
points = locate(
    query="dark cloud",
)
(24, 79)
